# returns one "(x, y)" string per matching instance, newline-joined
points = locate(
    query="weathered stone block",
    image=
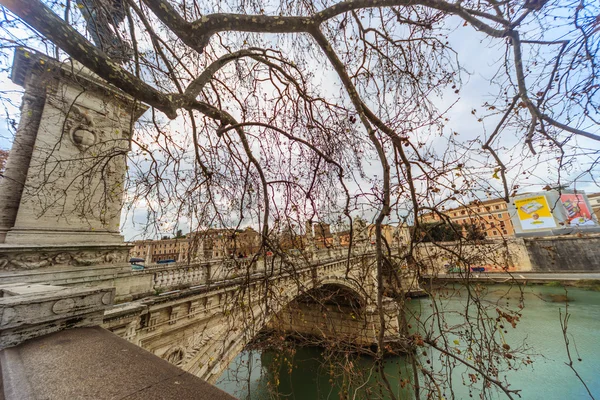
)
(28, 311)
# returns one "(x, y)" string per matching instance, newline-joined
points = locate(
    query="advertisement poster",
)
(534, 213)
(577, 210)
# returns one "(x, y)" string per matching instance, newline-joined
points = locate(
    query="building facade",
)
(153, 251)
(241, 243)
(490, 217)
(205, 245)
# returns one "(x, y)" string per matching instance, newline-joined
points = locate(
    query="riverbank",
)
(583, 280)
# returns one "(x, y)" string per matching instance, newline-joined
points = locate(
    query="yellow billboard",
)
(534, 213)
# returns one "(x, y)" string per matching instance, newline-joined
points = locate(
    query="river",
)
(308, 375)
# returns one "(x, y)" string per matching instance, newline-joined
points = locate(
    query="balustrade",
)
(185, 275)
(176, 275)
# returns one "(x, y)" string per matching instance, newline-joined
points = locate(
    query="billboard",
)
(552, 213)
(534, 213)
(577, 210)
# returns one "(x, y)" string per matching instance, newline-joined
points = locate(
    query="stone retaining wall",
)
(546, 254)
(493, 255)
(564, 254)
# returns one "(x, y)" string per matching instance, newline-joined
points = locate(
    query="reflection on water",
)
(309, 373)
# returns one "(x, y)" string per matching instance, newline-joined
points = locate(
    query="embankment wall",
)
(547, 254)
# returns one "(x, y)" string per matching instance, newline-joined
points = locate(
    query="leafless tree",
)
(272, 113)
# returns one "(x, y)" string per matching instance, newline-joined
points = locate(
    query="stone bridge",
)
(63, 263)
(199, 316)
(203, 315)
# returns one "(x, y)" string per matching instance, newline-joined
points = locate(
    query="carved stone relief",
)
(196, 342)
(175, 356)
(29, 260)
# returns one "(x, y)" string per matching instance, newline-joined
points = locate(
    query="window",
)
(495, 233)
(462, 212)
(497, 207)
(500, 215)
(504, 231)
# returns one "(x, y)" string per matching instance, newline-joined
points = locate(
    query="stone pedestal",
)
(64, 179)
(65, 172)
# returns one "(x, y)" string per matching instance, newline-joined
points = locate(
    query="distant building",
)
(289, 239)
(394, 235)
(160, 250)
(387, 232)
(208, 244)
(322, 235)
(490, 217)
(322, 229)
(402, 235)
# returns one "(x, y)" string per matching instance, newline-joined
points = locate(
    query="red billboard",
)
(578, 212)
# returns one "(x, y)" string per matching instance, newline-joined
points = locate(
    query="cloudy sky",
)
(479, 57)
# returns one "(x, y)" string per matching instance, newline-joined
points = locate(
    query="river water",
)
(308, 373)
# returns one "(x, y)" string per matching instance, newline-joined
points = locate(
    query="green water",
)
(312, 374)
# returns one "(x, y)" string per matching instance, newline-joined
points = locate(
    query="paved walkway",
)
(522, 276)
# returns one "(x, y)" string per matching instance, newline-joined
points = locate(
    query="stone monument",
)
(62, 191)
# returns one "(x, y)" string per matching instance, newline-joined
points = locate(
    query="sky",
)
(478, 57)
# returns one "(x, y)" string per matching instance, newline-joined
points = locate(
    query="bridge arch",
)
(348, 284)
(233, 343)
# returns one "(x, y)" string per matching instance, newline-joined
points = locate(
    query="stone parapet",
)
(92, 363)
(28, 311)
